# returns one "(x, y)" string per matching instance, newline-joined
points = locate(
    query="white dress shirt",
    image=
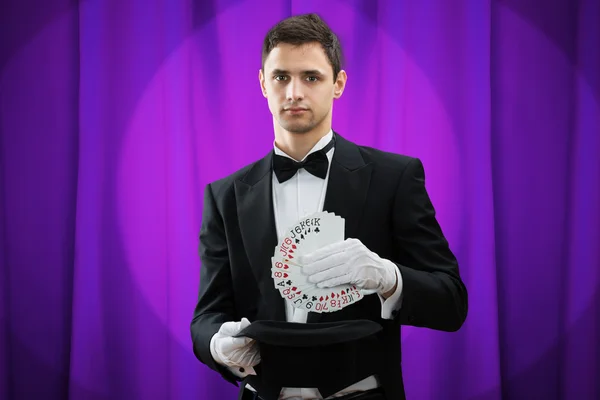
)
(301, 195)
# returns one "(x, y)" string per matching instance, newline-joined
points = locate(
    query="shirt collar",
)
(318, 146)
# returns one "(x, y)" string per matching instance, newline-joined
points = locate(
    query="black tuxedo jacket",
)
(383, 199)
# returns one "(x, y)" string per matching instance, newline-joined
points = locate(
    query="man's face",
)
(298, 84)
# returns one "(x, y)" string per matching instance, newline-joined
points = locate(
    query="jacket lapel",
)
(254, 198)
(348, 185)
(347, 189)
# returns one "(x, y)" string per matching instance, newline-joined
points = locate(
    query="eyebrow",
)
(306, 72)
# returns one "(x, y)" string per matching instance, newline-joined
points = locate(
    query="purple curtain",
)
(115, 114)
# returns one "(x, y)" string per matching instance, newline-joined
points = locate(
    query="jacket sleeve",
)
(433, 294)
(215, 298)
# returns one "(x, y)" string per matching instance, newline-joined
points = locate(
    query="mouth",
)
(295, 110)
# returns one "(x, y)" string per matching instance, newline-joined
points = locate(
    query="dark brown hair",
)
(301, 29)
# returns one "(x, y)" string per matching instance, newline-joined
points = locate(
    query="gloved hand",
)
(234, 351)
(349, 262)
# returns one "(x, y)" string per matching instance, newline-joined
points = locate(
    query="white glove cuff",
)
(213, 350)
(389, 278)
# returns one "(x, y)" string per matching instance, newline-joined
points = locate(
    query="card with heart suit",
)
(307, 235)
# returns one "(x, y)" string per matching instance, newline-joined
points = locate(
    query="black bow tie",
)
(316, 163)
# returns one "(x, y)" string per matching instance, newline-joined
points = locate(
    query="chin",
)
(300, 131)
(297, 129)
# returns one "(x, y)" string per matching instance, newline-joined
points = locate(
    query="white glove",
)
(349, 262)
(234, 351)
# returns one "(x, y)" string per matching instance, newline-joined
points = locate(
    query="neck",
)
(297, 145)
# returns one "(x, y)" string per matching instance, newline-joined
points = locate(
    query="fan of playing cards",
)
(309, 234)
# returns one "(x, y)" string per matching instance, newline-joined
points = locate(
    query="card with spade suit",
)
(307, 235)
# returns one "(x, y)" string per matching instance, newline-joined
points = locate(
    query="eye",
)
(312, 78)
(280, 78)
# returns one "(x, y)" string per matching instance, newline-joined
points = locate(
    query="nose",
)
(294, 90)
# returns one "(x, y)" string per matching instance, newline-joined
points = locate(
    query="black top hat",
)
(329, 356)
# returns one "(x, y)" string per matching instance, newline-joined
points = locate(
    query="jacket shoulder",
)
(225, 184)
(386, 159)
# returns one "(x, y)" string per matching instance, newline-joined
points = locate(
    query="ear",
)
(340, 84)
(261, 80)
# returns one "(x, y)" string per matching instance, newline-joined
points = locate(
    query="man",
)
(394, 247)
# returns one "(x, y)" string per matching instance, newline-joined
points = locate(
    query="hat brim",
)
(295, 334)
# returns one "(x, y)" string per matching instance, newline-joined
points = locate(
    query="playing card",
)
(283, 271)
(290, 281)
(329, 231)
(333, 299)
(332, 231)
(343, 297)
(307, 235)
(303, 237)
